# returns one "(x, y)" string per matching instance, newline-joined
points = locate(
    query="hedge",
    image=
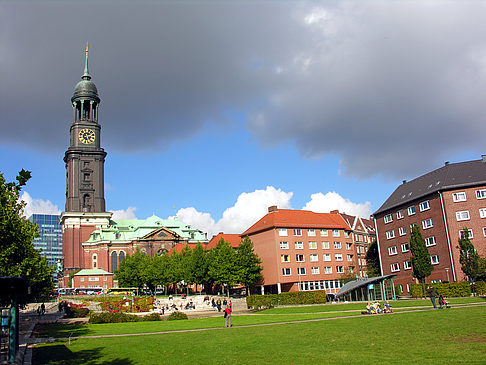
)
(142, 304)
(174, 316)
(480, 287)
(120, 317)
(289, 298)
(459, 289)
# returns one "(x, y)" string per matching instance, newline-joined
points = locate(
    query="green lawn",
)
(443, 336)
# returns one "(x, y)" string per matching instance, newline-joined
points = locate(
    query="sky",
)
(212, 111)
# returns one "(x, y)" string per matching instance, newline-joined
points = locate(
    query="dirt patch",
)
(469, 339)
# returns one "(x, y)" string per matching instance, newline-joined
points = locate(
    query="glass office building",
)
(50, 237)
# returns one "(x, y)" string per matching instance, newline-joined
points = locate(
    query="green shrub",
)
(120, 317)
(480, 287)
(174, 316)
(459, 289)
(289, 298)
(141, 304)
(398, 291)
(75, 311)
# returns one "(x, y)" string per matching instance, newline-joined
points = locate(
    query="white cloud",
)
(324, 203)
(129, 213)
(249, 207)
(38, 206)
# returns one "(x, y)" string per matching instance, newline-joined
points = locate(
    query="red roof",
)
(288, 218)
(233, 239)
(178, 247)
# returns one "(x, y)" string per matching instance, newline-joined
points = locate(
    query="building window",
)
(285, 258)
(121, 257)
(297, 232)
(434, 260)
(349, 257)
(424, 205)
(388, 218)
(481, 194)
(339, 269)
(395, 267)
(328, 270)
(482, 213)
(405, 247)
(430, 241)
(484, 231)
(82, 279)
(95, 261)
(390, 234)
(400, 214)
(402, 231)
(284, 245)
(299, 245)
(346, 234)
(86, 177)
(315, 270)
(325, 245)
(338, 257)
(324, 233)
(114, 261)
(282, 232)
(348, 246)
(105, 278)
(459, 197)
(93, 278)
(337, 245)
(470, 231)
(462, 215)
(301, 270)
(286, 271)
(392, 250)
(326, 257)
(299, 258)
(314, 257)
(407, 265)
(335, 233)
(313, 245)
(427, 223)
(411, 210)
(311, 232)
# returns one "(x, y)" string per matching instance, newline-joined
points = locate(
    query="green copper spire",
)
(86, 75)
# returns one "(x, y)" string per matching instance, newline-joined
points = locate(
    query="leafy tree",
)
(249, 266)
(347, 277)
(469, 258)
(223, 264)
(422, 267)
(198, 265)
(18, 257)
(132, 270)
(373, 260)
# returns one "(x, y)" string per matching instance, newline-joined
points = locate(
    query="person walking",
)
(227, 316)
(432, 294)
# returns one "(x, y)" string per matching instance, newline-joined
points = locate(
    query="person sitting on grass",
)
(387, 307)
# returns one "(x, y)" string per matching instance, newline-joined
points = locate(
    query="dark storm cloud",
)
(387, 87)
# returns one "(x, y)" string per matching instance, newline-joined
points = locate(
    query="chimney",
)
(273, 208)
(404, 181)
(446, 163)
(483, 158)
(335, 211)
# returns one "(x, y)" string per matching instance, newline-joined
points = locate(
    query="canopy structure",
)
(366, 289)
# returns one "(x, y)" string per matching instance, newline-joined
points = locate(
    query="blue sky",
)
(213, 111)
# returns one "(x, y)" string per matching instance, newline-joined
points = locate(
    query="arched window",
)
(121, 257)
(114, 261)
(95, 261)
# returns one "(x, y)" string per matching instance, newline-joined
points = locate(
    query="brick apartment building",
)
(302, 250)
(442, 203)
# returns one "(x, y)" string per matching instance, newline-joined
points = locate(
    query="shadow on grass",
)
(60, 330)
(59, 354)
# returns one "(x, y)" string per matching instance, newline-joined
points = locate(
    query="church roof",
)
(92, 272)
(124, 230)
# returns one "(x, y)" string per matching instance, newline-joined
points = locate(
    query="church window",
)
(121, 257)
(114, 261)
(95, 261)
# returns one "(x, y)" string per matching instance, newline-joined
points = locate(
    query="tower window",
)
(86, 177)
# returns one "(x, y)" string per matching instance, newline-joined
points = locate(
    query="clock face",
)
(86, 136)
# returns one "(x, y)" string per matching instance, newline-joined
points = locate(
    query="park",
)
(338, 333)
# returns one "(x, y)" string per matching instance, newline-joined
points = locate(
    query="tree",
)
(421, 264)
(222, 266)
(249, 266)
(132, 271)
(198, 264)
(469, 258)
(373, 260)
(18, 257)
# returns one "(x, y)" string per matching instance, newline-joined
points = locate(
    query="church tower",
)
(84, 159)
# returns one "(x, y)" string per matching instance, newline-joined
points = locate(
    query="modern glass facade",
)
(50, 239)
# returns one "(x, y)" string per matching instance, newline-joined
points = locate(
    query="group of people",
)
(41, 309)
(377, 308)
(161, 307)
(432, 294)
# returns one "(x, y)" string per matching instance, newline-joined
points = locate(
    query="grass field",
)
(448, 336)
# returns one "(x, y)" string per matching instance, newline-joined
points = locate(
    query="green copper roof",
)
(133, 229)
(92, 272)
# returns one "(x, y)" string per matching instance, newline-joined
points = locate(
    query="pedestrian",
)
(224, 302)
(227, 317)
(43, 308)
(218, 305)
(432, 294)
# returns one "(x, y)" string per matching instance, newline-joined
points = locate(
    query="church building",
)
(91, 240)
